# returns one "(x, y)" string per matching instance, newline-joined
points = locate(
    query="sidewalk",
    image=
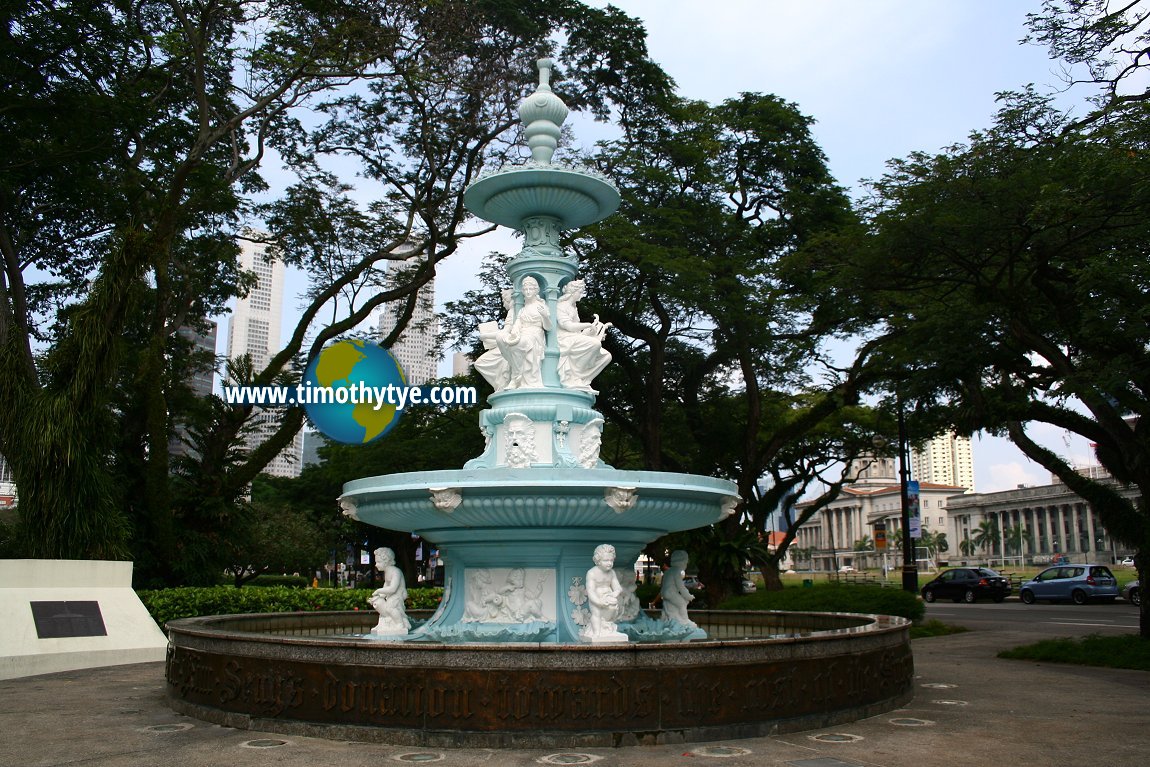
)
(970, 708)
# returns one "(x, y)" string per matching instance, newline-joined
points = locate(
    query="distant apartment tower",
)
(7, 485)
(201, 379)
(255, 330)
(415, 350)
(945, 460)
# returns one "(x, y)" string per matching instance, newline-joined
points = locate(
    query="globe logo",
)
(353, 366)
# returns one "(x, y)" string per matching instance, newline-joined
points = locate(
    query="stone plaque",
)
(55, 620)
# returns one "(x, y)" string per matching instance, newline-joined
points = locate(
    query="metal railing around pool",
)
(720, 625)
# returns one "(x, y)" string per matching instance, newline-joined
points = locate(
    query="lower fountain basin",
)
(759, 674)
(537, 526)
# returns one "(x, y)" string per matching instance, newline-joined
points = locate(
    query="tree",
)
(967, 547)
(134, 135)
(934, 543)
(278, 538)
(712, 341)
(1001, 275)
(1014, 537)
(1104, 46)
(986, 537)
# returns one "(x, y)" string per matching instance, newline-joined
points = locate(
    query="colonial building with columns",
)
(1053, 522)
(873, 498)
(1053, 519)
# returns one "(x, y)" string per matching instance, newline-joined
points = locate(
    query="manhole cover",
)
(911, 722)
(419, 756)
(570, 759)
(264, 743)
(939, 686)
(168, 727)
(950, 702)
(721, 751)
(823, 761)
(836, 737)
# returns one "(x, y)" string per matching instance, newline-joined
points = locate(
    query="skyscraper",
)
(415, 350)
(945, 460)
(255, 330)
(7, 485)
(201, 380)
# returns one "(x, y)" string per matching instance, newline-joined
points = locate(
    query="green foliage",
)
(833, 597)
(133, 138)
(189, 602)
(288, 581)
(1123, 651)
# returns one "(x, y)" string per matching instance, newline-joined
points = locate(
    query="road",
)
(1057, 620)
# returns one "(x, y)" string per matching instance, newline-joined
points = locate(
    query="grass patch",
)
(1124, 651)
(935, 628)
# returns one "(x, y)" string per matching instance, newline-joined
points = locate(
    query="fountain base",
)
(770, 673)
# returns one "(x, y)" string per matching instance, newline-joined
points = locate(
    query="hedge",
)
(189, 602)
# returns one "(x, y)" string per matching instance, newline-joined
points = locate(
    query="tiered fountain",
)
(517, 649)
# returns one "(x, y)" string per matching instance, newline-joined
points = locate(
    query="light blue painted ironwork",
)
(530, 510)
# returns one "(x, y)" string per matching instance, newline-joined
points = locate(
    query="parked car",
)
(967, 584)
(692, 582)
(1075, 583)
(748, 586)
(1132, 593)
(1127, 562)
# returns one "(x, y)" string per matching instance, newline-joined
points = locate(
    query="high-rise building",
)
(461, 363)
(255, 330)
(201, 381)
(945, 460)
(7, 485)
(415, 350)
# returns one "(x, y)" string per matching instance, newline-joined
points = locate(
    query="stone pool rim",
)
(860, 666)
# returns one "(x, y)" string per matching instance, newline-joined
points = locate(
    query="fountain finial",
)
(542, 113)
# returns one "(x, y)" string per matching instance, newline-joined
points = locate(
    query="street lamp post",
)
(909, 563)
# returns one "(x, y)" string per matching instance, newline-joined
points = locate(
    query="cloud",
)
(1006, 476)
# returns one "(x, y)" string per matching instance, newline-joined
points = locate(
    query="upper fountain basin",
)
(574, 197)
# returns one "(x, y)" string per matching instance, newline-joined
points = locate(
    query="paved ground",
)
(970, 708)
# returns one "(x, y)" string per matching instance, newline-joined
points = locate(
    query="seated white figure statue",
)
(581, 352)
(491, 364)
(523, 340)
(603, 592)
(674, 595)
(388, 599)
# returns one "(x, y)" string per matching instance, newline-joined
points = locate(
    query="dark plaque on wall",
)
(55, 620)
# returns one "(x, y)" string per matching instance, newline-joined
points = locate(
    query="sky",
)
(881, 79)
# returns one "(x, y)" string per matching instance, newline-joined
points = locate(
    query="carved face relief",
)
(446, 499)
(590, 443)
(348, 507)
(729, 506)
(520, 447)
(621, 498)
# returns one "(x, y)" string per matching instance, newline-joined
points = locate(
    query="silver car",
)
(1071, 583)
(1132, 593)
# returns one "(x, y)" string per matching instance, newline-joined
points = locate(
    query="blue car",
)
(1071, 583)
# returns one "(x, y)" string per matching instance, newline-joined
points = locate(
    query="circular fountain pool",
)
(757, 674)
